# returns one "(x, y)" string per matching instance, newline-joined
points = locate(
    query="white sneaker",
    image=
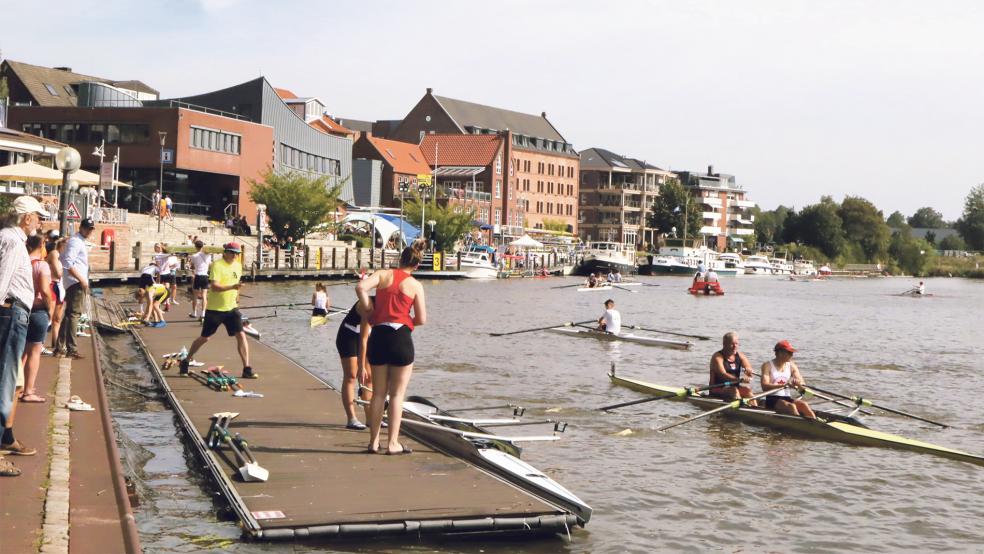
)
(47, 352)
(82, 334)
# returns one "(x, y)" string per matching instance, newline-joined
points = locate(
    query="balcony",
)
(740, 218)
(742, 231)
(713, 216)
(710, 230)
(743, 203)
(712, 201)
(454, 193)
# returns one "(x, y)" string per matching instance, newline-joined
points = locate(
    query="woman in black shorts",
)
(353, 334)
(390, 348)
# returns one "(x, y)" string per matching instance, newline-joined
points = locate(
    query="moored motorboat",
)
(829, 426)
(476, 263)
(757, 264)
(605, 257)
(624, 337)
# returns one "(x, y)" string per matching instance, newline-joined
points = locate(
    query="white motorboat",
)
(804, 267)
(781, 266)
(477, 264)
(758, 265)
(733, 261)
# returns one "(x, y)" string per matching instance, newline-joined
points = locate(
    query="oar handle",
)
(861, 401)
(687, 391)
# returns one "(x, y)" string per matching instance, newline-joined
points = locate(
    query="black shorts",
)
(200, 282)
(233, 321)
(168, 279)
(772, 400)
(389, 346)
(347, 342)
(318, 312)
(146, 279)
(162, 296)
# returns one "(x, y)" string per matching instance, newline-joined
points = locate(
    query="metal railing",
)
(110, 216)
(204, 109)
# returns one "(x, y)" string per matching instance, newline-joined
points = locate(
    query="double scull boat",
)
(829, 426)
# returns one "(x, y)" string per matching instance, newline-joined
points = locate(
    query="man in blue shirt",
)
(75, 278)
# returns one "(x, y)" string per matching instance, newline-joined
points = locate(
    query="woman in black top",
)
(351, 340)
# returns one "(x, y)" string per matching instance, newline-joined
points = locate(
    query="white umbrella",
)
(88, 178)
(31, 172)
(526, 241)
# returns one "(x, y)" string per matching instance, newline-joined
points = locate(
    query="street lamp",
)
(432, 223)
(423, 202)
(160, 183)
(260, 208)
(67, 160)
(404, 188)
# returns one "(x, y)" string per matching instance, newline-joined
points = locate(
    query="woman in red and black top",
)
(390, 349)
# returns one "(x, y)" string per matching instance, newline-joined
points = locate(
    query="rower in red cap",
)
(781, 373)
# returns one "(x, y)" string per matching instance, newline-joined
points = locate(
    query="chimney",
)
(543, 115)
(710, 170)
(430, 90)
(68, 69)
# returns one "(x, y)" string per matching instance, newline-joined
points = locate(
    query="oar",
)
(730, 405)
(650, 285)
(827, 398)
(623, 288)
(699, 337)
(568, 286)
(268, 306)
(567, 324)
(688, 391)
(865, 402)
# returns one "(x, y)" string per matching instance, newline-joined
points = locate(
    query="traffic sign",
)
(424, 179)
(72, 212)
(167, 155)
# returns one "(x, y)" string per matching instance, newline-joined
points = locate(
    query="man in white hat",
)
(16, 298)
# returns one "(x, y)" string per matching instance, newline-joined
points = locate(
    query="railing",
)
(204, 109)
(232, 210)
(463, 194)
(110, 216)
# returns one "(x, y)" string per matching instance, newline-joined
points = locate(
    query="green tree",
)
(669, 208)
(953, 242)
(971, 224)
(897, 220)
(554, 225)
(927, 217)
(769, 224)
(864, 224)
(912, 255)
(818, 225)
(449, 226)
(295, 202)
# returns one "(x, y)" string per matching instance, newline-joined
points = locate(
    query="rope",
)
(124, 387)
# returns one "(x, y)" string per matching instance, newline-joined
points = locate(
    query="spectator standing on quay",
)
(41, 311)
(55, 247)
(155, 203)
(169, 204)
(75, 261)
(200, 264)
(16, 297)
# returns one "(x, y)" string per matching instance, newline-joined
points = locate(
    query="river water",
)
(711, 485)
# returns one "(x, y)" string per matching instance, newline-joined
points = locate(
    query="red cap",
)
(233, 247)
(784, 345)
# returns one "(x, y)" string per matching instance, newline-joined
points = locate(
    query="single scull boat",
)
(627, 337)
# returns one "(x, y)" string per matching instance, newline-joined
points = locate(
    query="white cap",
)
(29, 205)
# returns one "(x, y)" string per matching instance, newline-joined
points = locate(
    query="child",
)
(319, 300)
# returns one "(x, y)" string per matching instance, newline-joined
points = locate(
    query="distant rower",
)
(730, 365)
(611, 320)
(920, 288)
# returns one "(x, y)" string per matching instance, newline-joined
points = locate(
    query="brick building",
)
(616, 195)
(540, 169)
(727, 221)
(397, 162)
(469, 173)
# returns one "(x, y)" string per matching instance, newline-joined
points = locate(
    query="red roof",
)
(467, 150)
(327, 125)
(402, 156)
(284, 94)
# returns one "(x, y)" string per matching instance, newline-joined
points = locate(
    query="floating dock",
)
(322, 482)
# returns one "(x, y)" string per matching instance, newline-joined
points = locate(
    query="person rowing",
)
(592, 281)
(611, 320)
(730, 365)
(781, 373)
(919, 289)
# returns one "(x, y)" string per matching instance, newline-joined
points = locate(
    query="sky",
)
(797, 99)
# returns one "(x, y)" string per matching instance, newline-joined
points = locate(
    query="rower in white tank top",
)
(321, 300)
(200, 262)
(780, 376)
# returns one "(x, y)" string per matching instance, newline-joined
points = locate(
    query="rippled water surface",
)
(712, 485)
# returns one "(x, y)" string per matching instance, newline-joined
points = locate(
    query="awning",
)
(31, 172)
(458, 171)
(736, 239)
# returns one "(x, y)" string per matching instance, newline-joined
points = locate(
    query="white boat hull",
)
(628, 337)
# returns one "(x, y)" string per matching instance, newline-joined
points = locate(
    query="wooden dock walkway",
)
(322, 482)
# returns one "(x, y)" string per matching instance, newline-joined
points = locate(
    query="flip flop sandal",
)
(77, 405)
(33, 398)
(401, 452)
(372, 450)
(8, 469)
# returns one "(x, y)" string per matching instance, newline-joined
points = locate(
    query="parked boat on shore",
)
(604, 257)
(476, 263)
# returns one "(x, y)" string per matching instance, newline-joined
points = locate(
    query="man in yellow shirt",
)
(223, 307)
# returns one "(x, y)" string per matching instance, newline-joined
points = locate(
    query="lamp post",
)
(259, 235)
(160, 183)
(404, 188)
(67, 160)
(432, 223)
(423, 202)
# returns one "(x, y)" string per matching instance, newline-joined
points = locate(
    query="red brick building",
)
(470, 173)
(401, 163)
(540, 169)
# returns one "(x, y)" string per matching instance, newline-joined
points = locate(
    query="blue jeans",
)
(13, 335)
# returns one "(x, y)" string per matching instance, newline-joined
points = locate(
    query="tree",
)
(952, 242)
(554, 225)
(971, 224)
(670, 207)
(912, 255)
(769, 224)
(927, 217)
(897, 220)
(450, 226)
(864, 223)
(295, 203)
(817, 225)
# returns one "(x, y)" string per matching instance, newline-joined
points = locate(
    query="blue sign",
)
(167, 155)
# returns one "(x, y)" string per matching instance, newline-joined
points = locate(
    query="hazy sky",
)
(797, 99)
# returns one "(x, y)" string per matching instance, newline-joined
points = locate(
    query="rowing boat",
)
(829, 426)
(467, 439)
(628, 337)
(595, 289)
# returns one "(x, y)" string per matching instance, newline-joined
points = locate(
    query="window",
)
(69, 90)
(498, 164)
(51, 89)
(498, 216)
(498, 188)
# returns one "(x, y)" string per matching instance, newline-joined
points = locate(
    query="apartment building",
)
(616, 194)
(726, 210)
(540, 169)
